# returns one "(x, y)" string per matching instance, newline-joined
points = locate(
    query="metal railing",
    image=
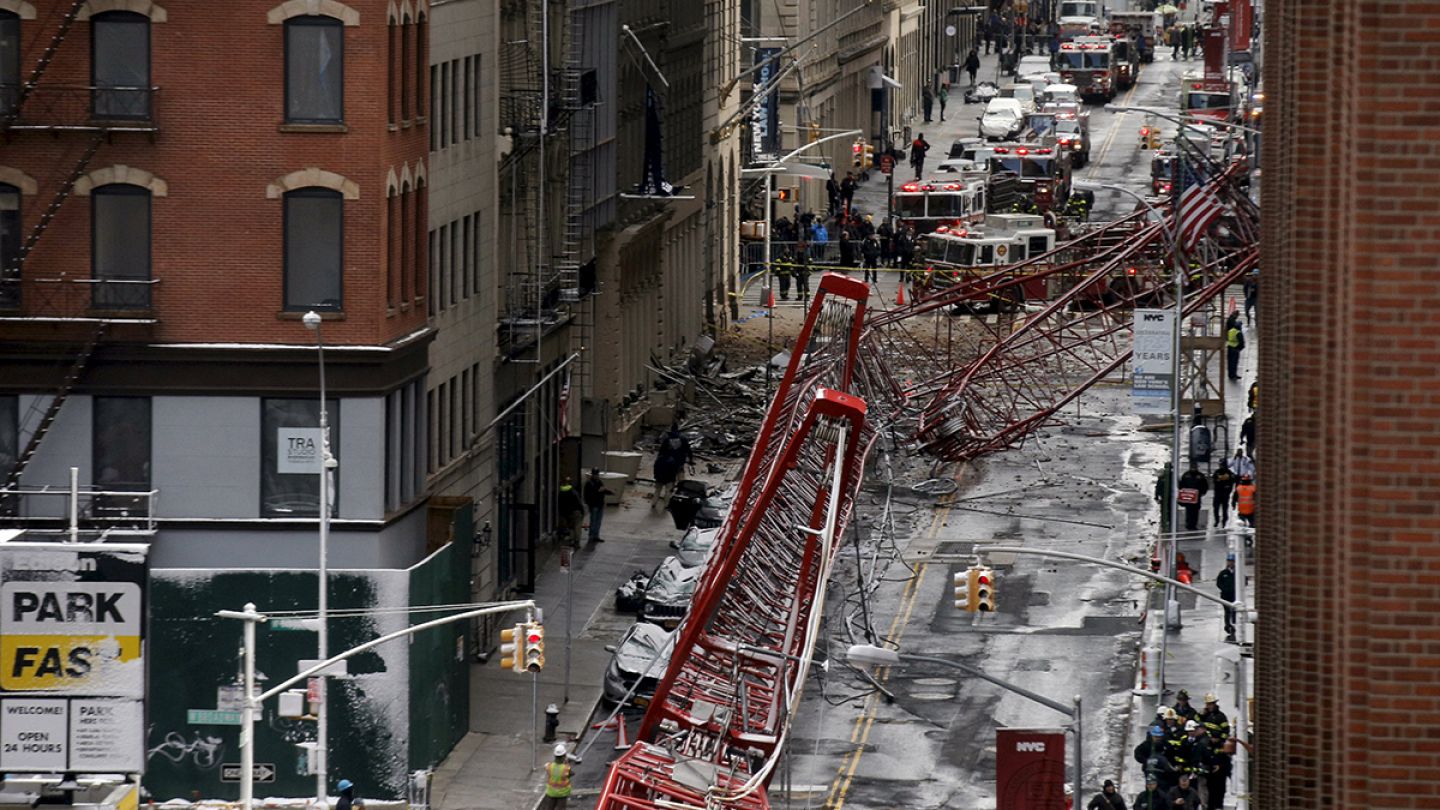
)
(81, 107)
(89, 511)
(77, 297)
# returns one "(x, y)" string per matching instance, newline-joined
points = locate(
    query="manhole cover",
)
(932, 695)
(934, 681)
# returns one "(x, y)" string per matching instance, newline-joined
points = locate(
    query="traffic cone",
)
(1233, 306)
(622, 736)
(900, 294)
(770, 299)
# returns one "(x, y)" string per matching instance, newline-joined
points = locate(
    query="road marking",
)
(1114, 131)
(860, 734)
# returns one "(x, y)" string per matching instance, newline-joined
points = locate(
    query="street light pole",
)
(312, 321)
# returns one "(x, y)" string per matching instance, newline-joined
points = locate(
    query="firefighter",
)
(781, 270)
(802, 272)
(1234, 344)
(1193, 486)
(1183, 707)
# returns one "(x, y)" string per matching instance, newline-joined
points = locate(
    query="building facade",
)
(160, 250)
(1349, 539)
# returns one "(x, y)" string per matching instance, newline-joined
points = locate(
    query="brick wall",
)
(217, 239)
(1348, 694)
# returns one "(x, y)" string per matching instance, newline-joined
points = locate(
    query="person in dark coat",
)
(1107, 799)
(802, 271)
(1183, 707)
(887, 243)
(594, 495)
(832, 192)
(870, 249)
(1247, 433)
(570, 511)
(847, 191)
(847, 249)
(671, 459)
(1225, 584)
(972, 64)
(1183, 796)
(1151, 798)
(1222, 482)
(1193, 486)
(927, 101)
(918, 148)
(347, 800)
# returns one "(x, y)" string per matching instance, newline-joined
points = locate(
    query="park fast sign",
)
(72, 657)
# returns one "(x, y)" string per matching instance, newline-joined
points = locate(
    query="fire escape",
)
(83, 119)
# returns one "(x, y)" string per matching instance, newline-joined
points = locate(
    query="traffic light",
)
(814, 131)
(984, 589)
(964, 594)
(511, 639)
(857, 154)
(534, 647)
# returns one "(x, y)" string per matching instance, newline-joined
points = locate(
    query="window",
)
(475, 91)
(421, 60)
(442, 241)
(9, 60)
(456, 262)
(465, 407)
(314, 70)
(453, 447)
(392, 74)
(120, 246)
(9, 226)
(454, 101)
(9, 432)
(422, 219)
(442, 97)
(405, 72)
(434, 268)
(465, 97)
(407, 248)
(394, 232)
(465, 258)
(120, 64)
(403, 435)
(314, 232)
(434, 131)
(120, 429)
(431, 432)
(290, 456)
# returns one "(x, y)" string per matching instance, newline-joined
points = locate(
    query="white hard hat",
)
(560, 750)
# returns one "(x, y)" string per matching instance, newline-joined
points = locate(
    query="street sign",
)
(1029, 768)
(212, 717)
(887, 163)
(262, 771)
(1153, 361)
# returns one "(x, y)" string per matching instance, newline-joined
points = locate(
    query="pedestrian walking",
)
(870, 250)
(1183, 707)
(1234, 344)
(347, 800)
(1242, 464)
(595, 494)
(557, 782)
(972, 62)
(927, 101)
(672, 458)
(1151, 798)
(1252, 396)
(1244, 500)
(1193, 486)
(847, 191)
(1225, 584)
(571, 511)
(802, 272)
(847, 250)
(918, 148)
(1247, 433)
(941, 96)
(832, 192)
(887, 243)
(1107, 799)
(1251, 287)
(1222, 483)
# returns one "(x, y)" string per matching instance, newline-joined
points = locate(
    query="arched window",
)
(314, 248)
(9, 60)
(120, 246)
(120, 64)
(314, 70)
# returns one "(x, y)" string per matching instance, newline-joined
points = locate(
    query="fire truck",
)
(1126, 60)
(1145, 28)
(1077, 18)
(953, 256)
(930, 204)
(1043, 171)
(1203, 97)
(1086, 62)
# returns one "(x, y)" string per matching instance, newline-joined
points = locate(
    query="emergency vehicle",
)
(952, 202)
(1043, 171)
(1146, 28)
(1208, 98)
(1086, 62)
(954, 256)
(1077, 18)
(1162, 173)
(1126, 60)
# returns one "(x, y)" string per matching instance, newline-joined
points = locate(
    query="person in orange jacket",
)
(1244, 500)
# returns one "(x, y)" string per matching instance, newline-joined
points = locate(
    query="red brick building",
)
(1348, 645)
(193, 179)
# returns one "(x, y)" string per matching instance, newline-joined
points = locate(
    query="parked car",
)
(642, 655)
(1023, 93)
(1004, 119)
(1032, 65)
(667, 596)
(693, 549)
(1074, 134)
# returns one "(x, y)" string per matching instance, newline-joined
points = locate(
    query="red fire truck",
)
(1087, 63)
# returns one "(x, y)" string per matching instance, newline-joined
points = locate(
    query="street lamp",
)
(312, 321)
(871, 655)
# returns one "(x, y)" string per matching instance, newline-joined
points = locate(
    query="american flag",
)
(1200, 206)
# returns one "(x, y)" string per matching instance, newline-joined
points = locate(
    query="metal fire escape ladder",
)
(575, 245)
(67, 21)
(50, 411)
(521, 111)
(10, 276)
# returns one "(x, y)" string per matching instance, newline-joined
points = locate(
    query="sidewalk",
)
(491, 767)
(1198, 659)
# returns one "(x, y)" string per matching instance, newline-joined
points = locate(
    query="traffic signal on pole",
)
(984, 588)
(814, 131)
(511, 641)
(534, 647)
(965, 591)
(857, 154)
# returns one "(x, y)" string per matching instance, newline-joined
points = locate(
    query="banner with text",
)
(72, 667)
(1029, 769)
(1153, 361)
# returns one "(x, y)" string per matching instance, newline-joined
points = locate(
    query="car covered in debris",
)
(642, 656)
(694, 547)
(667, 595)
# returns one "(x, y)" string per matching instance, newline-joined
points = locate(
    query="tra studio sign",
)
(297, 450)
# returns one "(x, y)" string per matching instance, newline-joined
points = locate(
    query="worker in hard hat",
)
(347, 800)
(557, 781)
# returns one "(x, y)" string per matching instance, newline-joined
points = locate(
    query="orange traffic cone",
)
(900, 294)
(1233, 306)
(770, 299)
(622, 736)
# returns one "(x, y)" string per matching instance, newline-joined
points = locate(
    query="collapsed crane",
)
(718, 722)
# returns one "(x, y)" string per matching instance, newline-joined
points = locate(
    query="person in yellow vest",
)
(557, 782)
(1245, 500)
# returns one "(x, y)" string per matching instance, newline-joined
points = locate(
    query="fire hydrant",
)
(552, 722)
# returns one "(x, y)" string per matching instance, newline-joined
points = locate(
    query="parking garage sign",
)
(72, 668)
(1153, 361)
